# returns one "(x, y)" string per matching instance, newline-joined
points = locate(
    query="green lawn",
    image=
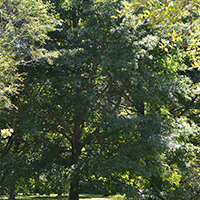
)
(92, 197)
(54, 197)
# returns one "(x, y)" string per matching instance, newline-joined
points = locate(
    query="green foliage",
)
(113, 111)
(23, 30)
(179, 19)
(23, 34)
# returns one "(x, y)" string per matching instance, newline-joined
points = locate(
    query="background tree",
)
(172, 15)
(23, 29)
(24, 25)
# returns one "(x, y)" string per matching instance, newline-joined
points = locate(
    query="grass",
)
(54, 197)
(92, 197)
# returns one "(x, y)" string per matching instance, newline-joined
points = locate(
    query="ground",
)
(54, 197)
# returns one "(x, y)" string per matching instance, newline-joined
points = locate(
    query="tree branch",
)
(66, 127)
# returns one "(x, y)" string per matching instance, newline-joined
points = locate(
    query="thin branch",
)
(187, 108)
(62, 122)
(119, 101)
(61, 132)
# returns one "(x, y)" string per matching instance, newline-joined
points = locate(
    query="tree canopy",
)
(109, 98)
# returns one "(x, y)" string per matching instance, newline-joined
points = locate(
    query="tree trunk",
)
(2, 186)
(76, 152)
(141, 107)
(73, 192)
(106, 193)
(12, 193)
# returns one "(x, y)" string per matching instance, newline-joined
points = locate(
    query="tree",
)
(107, 103)
(31, 158)
(110, 96)
(24, 25)
(172, 14)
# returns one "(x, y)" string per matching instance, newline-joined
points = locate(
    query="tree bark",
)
(106, 193)
(12, 193)
(76, 152)
(2, 185)
(74, 193)
(141, 107)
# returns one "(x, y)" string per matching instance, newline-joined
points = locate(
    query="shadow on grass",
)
(89, 196)
(45, 198)
(54, 197)
(32, 197)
